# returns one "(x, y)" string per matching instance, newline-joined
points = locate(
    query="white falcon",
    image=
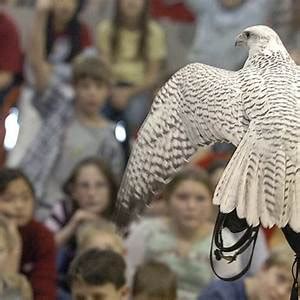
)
(256, 108)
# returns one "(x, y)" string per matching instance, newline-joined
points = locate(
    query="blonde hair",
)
(88, 230)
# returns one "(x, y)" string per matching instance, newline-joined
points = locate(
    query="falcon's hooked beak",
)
(241, 39)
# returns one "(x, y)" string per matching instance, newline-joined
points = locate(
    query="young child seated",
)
(36, 253)
(12, 284)
(99, 234)
(72, 129)
(272, 282)
(98, 274)
(153, 281)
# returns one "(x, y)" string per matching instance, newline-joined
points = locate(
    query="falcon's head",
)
(258, 38)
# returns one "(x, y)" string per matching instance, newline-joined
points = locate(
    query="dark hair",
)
(7, 175)
(73, 30)
(98, 267)
(142, 25)
(101, 166)
(91, 67)
(189, 173)
(154, 280)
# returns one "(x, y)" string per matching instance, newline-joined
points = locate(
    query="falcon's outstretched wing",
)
(199, 105)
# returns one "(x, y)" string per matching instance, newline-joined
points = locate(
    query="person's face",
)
(132, 9)
(274, 283)
(83, 291)
(103, 241)
(190, 204)
(91, 190)
(90, 96)
(64, 10)
(3, 251)
(17, 202)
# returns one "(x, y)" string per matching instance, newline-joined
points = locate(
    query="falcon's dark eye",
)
(248, 34)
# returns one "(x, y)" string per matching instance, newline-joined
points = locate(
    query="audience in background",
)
(98, 274)
(135, 48)
(34, 241)
(218, 23)
(153, 281)
(272, 282)
(72, 129)
(12, 284)
(90, 193)
(181, 240)
(73, 96)
(61, 36)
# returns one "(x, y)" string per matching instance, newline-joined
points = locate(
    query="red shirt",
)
(38, 260)
(176, 12)
(10, 49)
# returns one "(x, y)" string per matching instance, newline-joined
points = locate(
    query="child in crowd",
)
(58, 30)
(273, 281)
(33, 240)
(153, 281)
(70, 123)
(98, 274)
(90, 193)
(135, 48)
(99, 234)
(11, 282)
(182, 239)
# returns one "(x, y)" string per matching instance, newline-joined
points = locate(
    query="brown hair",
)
(101, 166)
(91, 67)
(154, 280)
(189, 173)
(142, 25)
(98, 267)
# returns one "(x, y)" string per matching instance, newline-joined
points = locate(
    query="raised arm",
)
(36, 48)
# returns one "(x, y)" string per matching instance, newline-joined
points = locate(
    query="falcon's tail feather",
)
(259, 183)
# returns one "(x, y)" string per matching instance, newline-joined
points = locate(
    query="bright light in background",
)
(11, 129)
(120, 132)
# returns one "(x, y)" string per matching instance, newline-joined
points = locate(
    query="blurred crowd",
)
(77, 79)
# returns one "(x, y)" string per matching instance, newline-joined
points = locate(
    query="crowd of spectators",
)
(80, 87)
